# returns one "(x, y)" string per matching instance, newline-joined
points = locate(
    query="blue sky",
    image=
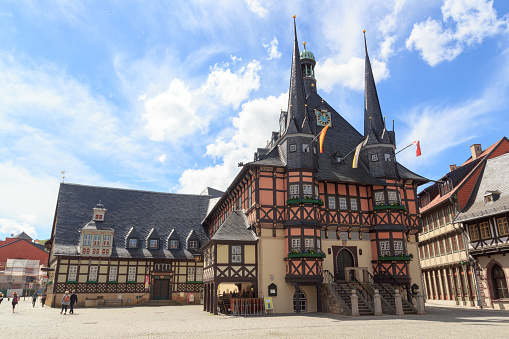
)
(169, 96)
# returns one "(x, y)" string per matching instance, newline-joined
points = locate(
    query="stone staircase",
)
(363, 308)
(407, 307)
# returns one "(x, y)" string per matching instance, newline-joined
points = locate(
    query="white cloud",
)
(467, 23)
(253, 127)
(272, 49)
(388, 27)
(232, 88)
(350, 74)
(172, 114)
(12, 227)
(181, 111)
(162, 158)
(255, 7)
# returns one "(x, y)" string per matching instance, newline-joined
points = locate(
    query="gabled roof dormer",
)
(173, 240)
(132, 239)
(192, 241)
(491, 196)
(98, 212)
(153, 241)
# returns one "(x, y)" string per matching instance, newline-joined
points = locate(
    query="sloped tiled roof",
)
(494, 178)
(127, 209)
(23, 235)
(235, 227)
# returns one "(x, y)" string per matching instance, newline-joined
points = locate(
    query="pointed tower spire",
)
(373, 121)
(297, 110)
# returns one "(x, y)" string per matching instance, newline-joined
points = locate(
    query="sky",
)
(170, 96)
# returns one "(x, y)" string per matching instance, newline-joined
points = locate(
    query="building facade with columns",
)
(450, 270)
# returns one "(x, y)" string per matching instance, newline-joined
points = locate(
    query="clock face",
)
(322, 118)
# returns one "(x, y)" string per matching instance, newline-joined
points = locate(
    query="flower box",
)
(304, 201)
(406, 257)
(306, 255)
(389, 207)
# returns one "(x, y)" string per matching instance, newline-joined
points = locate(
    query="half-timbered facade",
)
(485, 220)
(313, 213)
(449, 269)
(116, 245)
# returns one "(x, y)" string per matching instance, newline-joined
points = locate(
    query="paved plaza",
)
(192, 322)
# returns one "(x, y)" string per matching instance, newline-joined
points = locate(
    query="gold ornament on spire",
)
(363, 31)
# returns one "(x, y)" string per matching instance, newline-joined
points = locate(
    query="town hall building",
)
(304, 227)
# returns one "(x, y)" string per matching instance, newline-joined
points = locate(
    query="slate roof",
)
(23, 235)
(494, 178)
(127, 209)
(236, 228)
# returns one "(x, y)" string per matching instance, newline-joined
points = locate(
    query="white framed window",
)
(302, 302)
(305, 148)
(296, 244)
(342, 203)
(113, 273)
(131, 273)
(374, 157)
(388, 157)
(318, 244)
(92, 274)
(87, 238)
(73, 273)
(385, 248)
(106, 240)
(293, 148)
(332, 203)
(193, 244)
(316, 190)
(307, 190)
(199, 273)
(398, 247)
(237, 254)
(133, 242)
(294, 189)
(393, 197)
(379, 198)
(190, 273)
(153, 243)
(309, 243)
(174, 244)
(353, 204)
(97, 240)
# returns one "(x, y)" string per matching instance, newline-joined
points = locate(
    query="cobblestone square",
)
(192, 322)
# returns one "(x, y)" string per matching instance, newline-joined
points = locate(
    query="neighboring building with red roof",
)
(447, 262)
(20, 262)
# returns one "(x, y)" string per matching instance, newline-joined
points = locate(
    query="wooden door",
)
(343, 259)
(161, 289)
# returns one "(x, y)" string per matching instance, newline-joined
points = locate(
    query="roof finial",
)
(304, 43)
(294, 16)
(365, 44)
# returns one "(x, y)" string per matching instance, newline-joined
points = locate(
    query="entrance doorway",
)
(162, 289)
(343, 259)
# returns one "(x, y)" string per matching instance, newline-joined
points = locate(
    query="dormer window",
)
(153, 243)
(98, 212)
(445, 186)
(488, 199)
(193, 244)
(97, 240)
(106, 240)
(133, 243)
(174, 244)
(491, 196)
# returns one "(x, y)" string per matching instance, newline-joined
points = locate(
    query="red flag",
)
(418, 150)
(322, 136)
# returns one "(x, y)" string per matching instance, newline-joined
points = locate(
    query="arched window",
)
(499, 283)
(302, 302)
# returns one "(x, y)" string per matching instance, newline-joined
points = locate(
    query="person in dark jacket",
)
(74, 299)
(43, 298)
(1, 297)
(15, 300)
(34, 299)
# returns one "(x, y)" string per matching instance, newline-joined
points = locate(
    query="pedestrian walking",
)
(43, 298)
(34, 298)
(15, 300)
(74, 300)
(66, 301)
(1, 298)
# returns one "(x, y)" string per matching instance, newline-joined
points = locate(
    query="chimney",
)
(476, 150)
(452, 167)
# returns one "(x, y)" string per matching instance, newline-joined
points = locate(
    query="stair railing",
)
(406, 297)
(329, 279)
(379, 285)
(363, 293)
